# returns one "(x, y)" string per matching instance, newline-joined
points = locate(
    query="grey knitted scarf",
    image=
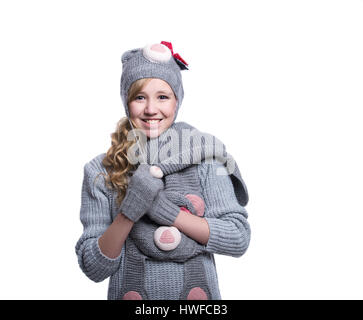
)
(177, 152)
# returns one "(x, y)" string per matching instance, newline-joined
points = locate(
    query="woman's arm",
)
(113, 239)
(229, 230)
(193, 226)
(95, 215)
(100, 246)
(223, 229)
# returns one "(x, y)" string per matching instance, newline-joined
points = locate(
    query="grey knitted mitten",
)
(166, 207)
(140, 193)
(181, 190)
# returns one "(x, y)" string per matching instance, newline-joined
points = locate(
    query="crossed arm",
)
(223, 230)
(113, 239)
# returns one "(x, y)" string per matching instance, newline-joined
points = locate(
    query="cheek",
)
(170, 110)
(134, 109)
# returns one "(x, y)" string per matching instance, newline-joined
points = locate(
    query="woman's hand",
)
(141, 192)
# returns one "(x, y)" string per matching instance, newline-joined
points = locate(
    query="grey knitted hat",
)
(153, 61)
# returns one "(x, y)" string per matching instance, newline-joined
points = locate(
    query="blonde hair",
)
(116, 162)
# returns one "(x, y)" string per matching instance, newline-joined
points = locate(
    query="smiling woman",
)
(157, 239)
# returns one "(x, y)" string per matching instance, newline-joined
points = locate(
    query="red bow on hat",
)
(175, 55)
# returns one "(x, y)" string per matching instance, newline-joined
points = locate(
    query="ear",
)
(128, 54)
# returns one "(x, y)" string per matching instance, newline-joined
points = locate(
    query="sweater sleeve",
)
(227, 219)
(95, 215)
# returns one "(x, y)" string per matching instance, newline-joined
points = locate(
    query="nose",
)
(150, 107)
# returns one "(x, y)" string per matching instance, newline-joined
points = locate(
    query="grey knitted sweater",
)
(227, 219)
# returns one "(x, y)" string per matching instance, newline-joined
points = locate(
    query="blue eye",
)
(162, 97)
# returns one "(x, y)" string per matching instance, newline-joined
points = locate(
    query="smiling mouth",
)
(152, 121)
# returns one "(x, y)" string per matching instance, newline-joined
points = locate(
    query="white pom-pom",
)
(156, 172)
(156, 52)
(167, 238)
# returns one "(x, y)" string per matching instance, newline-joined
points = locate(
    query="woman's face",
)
(153, 108)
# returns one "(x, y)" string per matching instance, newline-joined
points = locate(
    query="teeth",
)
(152, 121)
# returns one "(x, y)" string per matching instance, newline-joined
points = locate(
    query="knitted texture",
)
(163, 210)
(182, 145)
(186, 250)
(227, 219)
(140, 193)
(178, 185)
(181, 178)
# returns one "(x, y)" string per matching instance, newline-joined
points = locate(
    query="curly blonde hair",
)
(116, 162)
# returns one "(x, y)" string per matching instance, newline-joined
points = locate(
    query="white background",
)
(279, 82)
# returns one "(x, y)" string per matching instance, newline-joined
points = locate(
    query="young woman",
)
(153, 225)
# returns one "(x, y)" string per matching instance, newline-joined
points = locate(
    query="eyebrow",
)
(160, 91)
